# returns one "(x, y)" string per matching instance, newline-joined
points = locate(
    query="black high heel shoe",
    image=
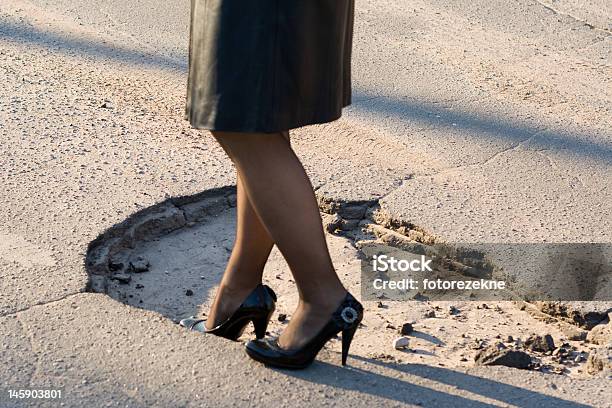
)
(345, 319)
(257, 308)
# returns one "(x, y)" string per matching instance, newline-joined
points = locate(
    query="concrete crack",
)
(577, 19)
(16, 312)
(34, 352)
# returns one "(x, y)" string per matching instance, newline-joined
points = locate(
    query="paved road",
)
(458, 108)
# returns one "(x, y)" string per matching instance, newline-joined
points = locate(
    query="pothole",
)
(170, 257)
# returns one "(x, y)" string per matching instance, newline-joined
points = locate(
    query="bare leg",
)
(245, 267)
(282, 196)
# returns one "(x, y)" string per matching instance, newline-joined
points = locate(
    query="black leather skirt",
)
(268, 65)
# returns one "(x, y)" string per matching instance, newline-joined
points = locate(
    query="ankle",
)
(324, 301)
(236, 288)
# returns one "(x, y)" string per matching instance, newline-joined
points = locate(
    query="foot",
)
(308, 320)
(227, 301)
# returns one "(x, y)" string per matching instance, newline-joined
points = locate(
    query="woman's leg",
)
(282, 196)
(252, 246)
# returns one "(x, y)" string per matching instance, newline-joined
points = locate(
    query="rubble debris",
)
(115, 266)
(477, 344)
(600, 334)
(506, 357)
(139, 265)
(332, 224)
(573, 333)
(540, 343)
(582, 314)
(600, 361)
(122, 278)
(401, 343)
(406, 329)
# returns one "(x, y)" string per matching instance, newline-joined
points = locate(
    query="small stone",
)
(478, 344)
(353, 212)
(406, 329)
(334, 223)
(115, 266)
(540, 343)
(139, 286)
(453, 310)
(509, 339)
(380, 305)
(122, 278)
(139, 265)
(504, 357)
(189, 292)
(401, 343)
(282, 317)
(429, 313)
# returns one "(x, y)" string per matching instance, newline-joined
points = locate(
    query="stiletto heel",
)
(257, 308)
(347, 338)
(261, 325)
(345, 319)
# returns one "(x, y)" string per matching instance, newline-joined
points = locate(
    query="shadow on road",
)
(405, 391)
(82, 46)
(480, 125)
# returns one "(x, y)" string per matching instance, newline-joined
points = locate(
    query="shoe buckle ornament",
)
(349, 315)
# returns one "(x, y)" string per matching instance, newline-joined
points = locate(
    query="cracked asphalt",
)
(475, 120)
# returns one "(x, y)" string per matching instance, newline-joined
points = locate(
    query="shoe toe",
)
(263, 348)
(257, 344)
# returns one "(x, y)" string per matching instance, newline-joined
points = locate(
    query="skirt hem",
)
(240, 129)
